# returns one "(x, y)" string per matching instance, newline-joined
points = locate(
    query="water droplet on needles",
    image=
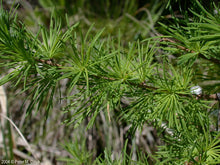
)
(197, 90)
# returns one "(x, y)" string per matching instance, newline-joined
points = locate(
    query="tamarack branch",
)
(141, 85)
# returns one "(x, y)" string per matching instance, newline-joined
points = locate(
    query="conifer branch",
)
(214, 60)
(140, 85)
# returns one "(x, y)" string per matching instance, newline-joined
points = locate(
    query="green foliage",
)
(79, 156)
(124, 159)
(78, 152)
(192, 145)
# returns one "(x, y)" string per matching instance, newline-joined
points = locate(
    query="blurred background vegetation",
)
(54, 142)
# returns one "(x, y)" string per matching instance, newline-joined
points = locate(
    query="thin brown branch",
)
(211, 59)
(105, 78)
(212, 97)
(143, 85)
(178, 46)
(48, 62)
